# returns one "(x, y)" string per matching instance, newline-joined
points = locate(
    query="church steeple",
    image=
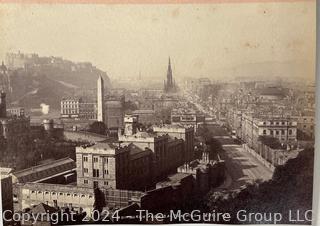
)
(169, 85)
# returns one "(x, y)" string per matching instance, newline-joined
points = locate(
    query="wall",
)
(55, 195)
(83, 136)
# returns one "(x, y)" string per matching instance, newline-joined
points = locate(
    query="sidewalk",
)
(259, 157)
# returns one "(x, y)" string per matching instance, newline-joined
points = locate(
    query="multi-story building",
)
(18, 60)
(187, 117)
(78, 108)
(168, 152)
(17, 111)
(114, 110)
(186, 133)
(306, 123)
(146, 117)
(281, 127)
(114, 166)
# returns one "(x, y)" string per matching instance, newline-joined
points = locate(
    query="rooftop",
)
(45, 170)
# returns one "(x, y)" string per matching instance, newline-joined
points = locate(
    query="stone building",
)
(71, 196)
(306, 123)
(114, 110)
(281, 127)
(186, 133)
(168, 151)
(16, 111)
(114, 166)
(146, 117)
(181, 116)
(78, 108)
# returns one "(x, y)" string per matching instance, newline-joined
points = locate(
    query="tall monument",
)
(100, 99)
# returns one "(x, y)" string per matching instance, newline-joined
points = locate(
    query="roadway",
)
(242, 167)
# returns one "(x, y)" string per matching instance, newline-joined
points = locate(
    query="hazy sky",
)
(126, 39)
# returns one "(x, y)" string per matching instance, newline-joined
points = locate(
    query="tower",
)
(3, 106)
(169, 85)
(100, 99)
(130, 125)
(169, 75)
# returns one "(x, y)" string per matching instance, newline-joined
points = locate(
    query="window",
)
(85, 181)
(271, 132)
(290, 132)
(95, 173)
(85, 170)
(85, 158)
(106, 171)
(95, 159)
(277, 132)
(282, 123)
(277, 123)
(106, 183)
(282, 132)
(264, 132)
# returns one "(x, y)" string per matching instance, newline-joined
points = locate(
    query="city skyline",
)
(109, 40)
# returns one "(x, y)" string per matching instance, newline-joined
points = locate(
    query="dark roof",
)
(45, 170)
(137, 152)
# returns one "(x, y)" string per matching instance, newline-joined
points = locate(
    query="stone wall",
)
(83, 136)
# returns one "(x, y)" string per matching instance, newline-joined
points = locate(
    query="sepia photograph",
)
(157, 112)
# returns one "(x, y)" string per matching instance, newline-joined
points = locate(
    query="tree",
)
(97, 127)
(99, 200)
(290, 189)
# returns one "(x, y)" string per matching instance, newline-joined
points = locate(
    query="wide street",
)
(242, 167)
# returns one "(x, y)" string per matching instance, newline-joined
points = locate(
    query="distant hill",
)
(48, 79)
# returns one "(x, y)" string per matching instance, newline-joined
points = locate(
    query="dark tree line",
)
(290, 189)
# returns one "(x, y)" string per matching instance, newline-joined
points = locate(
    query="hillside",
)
(48, 82)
